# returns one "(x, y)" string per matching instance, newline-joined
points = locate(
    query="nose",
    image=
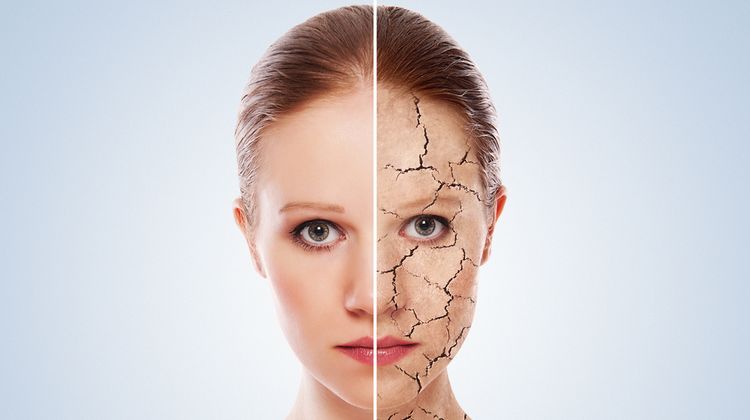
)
(359, 297)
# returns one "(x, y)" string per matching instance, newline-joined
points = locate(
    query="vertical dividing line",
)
(375, 208)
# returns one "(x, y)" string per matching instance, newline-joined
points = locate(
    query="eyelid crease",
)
(440, 219)
(296, 234)
(306, 223)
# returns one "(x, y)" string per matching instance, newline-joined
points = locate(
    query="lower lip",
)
(360, 354)
(386, 355)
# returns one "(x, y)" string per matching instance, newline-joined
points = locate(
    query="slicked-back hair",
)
(332, 52)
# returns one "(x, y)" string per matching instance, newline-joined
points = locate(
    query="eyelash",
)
(297, 232)
(445, 222)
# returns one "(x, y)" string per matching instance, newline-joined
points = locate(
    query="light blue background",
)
(618, 284)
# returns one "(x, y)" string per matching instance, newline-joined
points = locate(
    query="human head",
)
(331, 55)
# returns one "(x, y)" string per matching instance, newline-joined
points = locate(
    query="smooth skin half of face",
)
(434, 230)
(313, 242)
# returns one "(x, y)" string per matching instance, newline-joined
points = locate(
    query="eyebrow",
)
(423, 202)
(311, 205)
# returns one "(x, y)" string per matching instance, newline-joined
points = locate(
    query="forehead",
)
(321, 152)
(422, 145)
(403, 119)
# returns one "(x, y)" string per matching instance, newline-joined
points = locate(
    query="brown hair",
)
(332, 51)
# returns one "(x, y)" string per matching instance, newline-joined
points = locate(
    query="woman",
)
(304, 147)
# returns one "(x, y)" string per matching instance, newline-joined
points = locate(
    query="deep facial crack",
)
(430, 413)
(415, 377)
(393, 272)
(452, 228)
(421, 166)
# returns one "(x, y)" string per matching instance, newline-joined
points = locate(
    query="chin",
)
(355, 390)
(395, 388)
(403, 382)
(357, 396)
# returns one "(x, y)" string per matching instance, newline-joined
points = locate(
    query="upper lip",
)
(383, 342)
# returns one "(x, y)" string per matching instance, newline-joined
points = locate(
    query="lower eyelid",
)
(446, 227)
(297, 236)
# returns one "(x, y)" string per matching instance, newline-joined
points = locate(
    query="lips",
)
(390, 349)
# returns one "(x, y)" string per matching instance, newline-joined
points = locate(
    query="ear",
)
(497, 210)
(240, 217)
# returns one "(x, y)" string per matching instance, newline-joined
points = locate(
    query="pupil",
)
(318, 232)
(425, 226)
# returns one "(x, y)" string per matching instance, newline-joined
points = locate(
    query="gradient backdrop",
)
(618, 287)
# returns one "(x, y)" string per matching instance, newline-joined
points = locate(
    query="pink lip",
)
(390, 350)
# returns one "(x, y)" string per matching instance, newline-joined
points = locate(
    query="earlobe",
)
(240, 218)
(498, 209)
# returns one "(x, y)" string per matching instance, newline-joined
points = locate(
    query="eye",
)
(425, 227)
(317, 233)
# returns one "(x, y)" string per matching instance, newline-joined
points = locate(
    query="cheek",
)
(435, 308)
(437, 286)
(306, 285)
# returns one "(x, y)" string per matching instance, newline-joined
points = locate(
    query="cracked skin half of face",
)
(432, 226)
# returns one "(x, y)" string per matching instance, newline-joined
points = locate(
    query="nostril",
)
(360, 301)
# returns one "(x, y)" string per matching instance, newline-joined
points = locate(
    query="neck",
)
(435, 401)
(315, 401)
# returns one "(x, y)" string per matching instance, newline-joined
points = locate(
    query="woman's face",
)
(313, 236)
(432, 235)
(313, 239)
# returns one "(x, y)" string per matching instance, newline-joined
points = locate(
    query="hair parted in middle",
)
(333, 52)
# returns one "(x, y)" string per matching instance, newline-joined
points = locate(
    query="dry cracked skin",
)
(432, 227)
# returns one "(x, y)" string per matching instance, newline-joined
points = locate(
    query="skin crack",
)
(448, 349)
(425, 147)
(464, 160)
(393, 271)
(446, 308)
(430, 413)
(453, 229)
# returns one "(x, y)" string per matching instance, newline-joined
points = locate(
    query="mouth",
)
(389, 350)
